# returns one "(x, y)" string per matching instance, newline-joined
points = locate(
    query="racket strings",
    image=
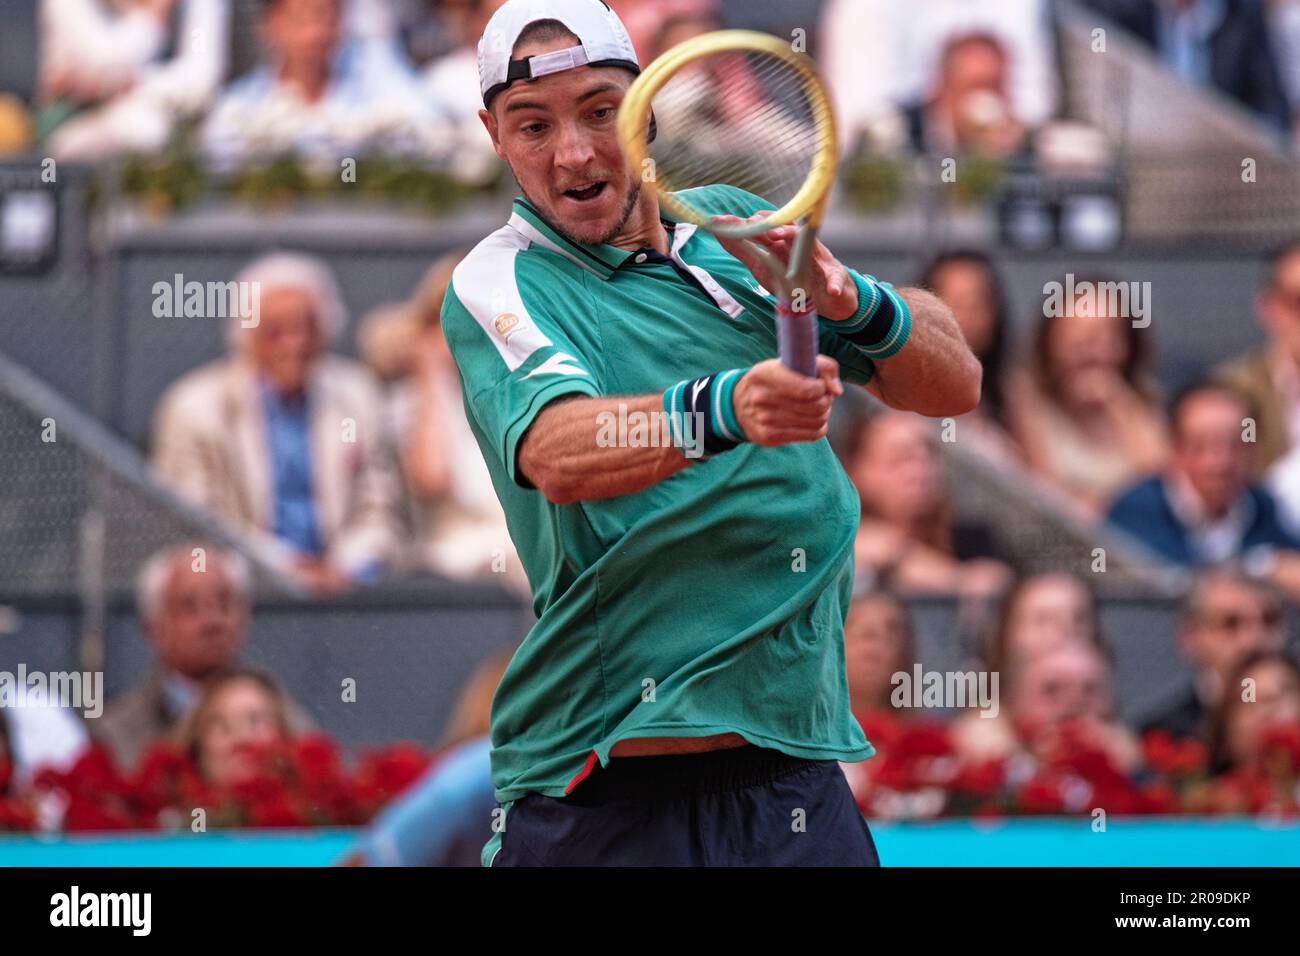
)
(743, 119)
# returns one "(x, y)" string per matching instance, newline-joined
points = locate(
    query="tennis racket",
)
(741, 108)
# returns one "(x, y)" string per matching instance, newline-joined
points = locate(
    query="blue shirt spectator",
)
(289, 437)
(1217, 42)
(1150, 511)
(1204, 508)
(319, 97)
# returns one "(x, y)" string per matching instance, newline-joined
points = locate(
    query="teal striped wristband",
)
(701, 413)
(882, 323)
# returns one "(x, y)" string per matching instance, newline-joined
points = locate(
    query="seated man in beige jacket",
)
(193, 603)
(283, 440)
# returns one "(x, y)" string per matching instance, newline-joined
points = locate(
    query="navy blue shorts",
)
(746, 806)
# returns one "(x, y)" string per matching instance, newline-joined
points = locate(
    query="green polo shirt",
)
(709, 603)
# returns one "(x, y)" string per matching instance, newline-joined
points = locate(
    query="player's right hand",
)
(776, 406)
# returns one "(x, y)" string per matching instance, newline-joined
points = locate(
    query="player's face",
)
(557, 134)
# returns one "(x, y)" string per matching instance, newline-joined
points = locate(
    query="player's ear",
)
(490, 124)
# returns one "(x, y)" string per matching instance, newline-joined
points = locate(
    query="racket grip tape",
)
(797, 339)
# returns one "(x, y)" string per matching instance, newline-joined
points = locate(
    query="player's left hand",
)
(834, 294)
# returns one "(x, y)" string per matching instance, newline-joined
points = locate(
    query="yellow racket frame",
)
(809, 202)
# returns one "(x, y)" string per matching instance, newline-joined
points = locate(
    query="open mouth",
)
(588, 192)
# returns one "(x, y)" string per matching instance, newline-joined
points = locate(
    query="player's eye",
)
(534, 129)
(605, 112)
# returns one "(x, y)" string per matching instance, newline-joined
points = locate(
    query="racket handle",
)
(796, 337)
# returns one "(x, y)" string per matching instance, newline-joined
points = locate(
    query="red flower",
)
(167, 777)
(982, 779)
(278, 811)
(86, 813)
(16, 816)
(394, 768)
(881, 727)
(924, 740)
(1172, 756)
(1280, 747)
(1040, 795)
(317, 757)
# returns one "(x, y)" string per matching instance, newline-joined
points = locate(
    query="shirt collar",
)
(1210, 534)
(601, 260)
(275, 402)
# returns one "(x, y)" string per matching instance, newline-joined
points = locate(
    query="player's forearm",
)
(576, 451)
(935, 373)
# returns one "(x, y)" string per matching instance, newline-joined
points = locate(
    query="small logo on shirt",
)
(505, 322)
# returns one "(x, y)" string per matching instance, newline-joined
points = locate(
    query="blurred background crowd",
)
(1115, 533)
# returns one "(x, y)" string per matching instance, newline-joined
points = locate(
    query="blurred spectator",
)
(451, 81)
(969, 109)
(1048, 698)
(1204, 508)
(1039, 613)
(1247, 713)
(1082, 408)
(431, 28)
(116, 76)
(878, 643)
(459, 528)
(878, 55)
(238, 713)
(674, 22)
(284, 440)
(319, 98)
(968, 283)
(445, 818)
(908, 537)
(195, 617)
(471, 714)
(17, 131)
(643, 18)
(1220, 43)
(1284, 26)
(1226, 618)
(1270, 376)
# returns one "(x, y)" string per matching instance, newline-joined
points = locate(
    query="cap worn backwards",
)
(603, 41)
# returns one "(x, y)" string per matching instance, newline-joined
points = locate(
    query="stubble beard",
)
(629, 206)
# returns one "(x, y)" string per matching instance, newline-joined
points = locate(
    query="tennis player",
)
(686, 529)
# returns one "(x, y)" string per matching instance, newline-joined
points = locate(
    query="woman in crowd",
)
(458, 527)
(1054, 669)
(240, 712)
(1262, 695)
(968, 283)
(878, 643)
(1064, 689)
(1082, 408)
(908, 537)
(1040, 612)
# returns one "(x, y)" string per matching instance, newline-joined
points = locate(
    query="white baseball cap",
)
(603, 42)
